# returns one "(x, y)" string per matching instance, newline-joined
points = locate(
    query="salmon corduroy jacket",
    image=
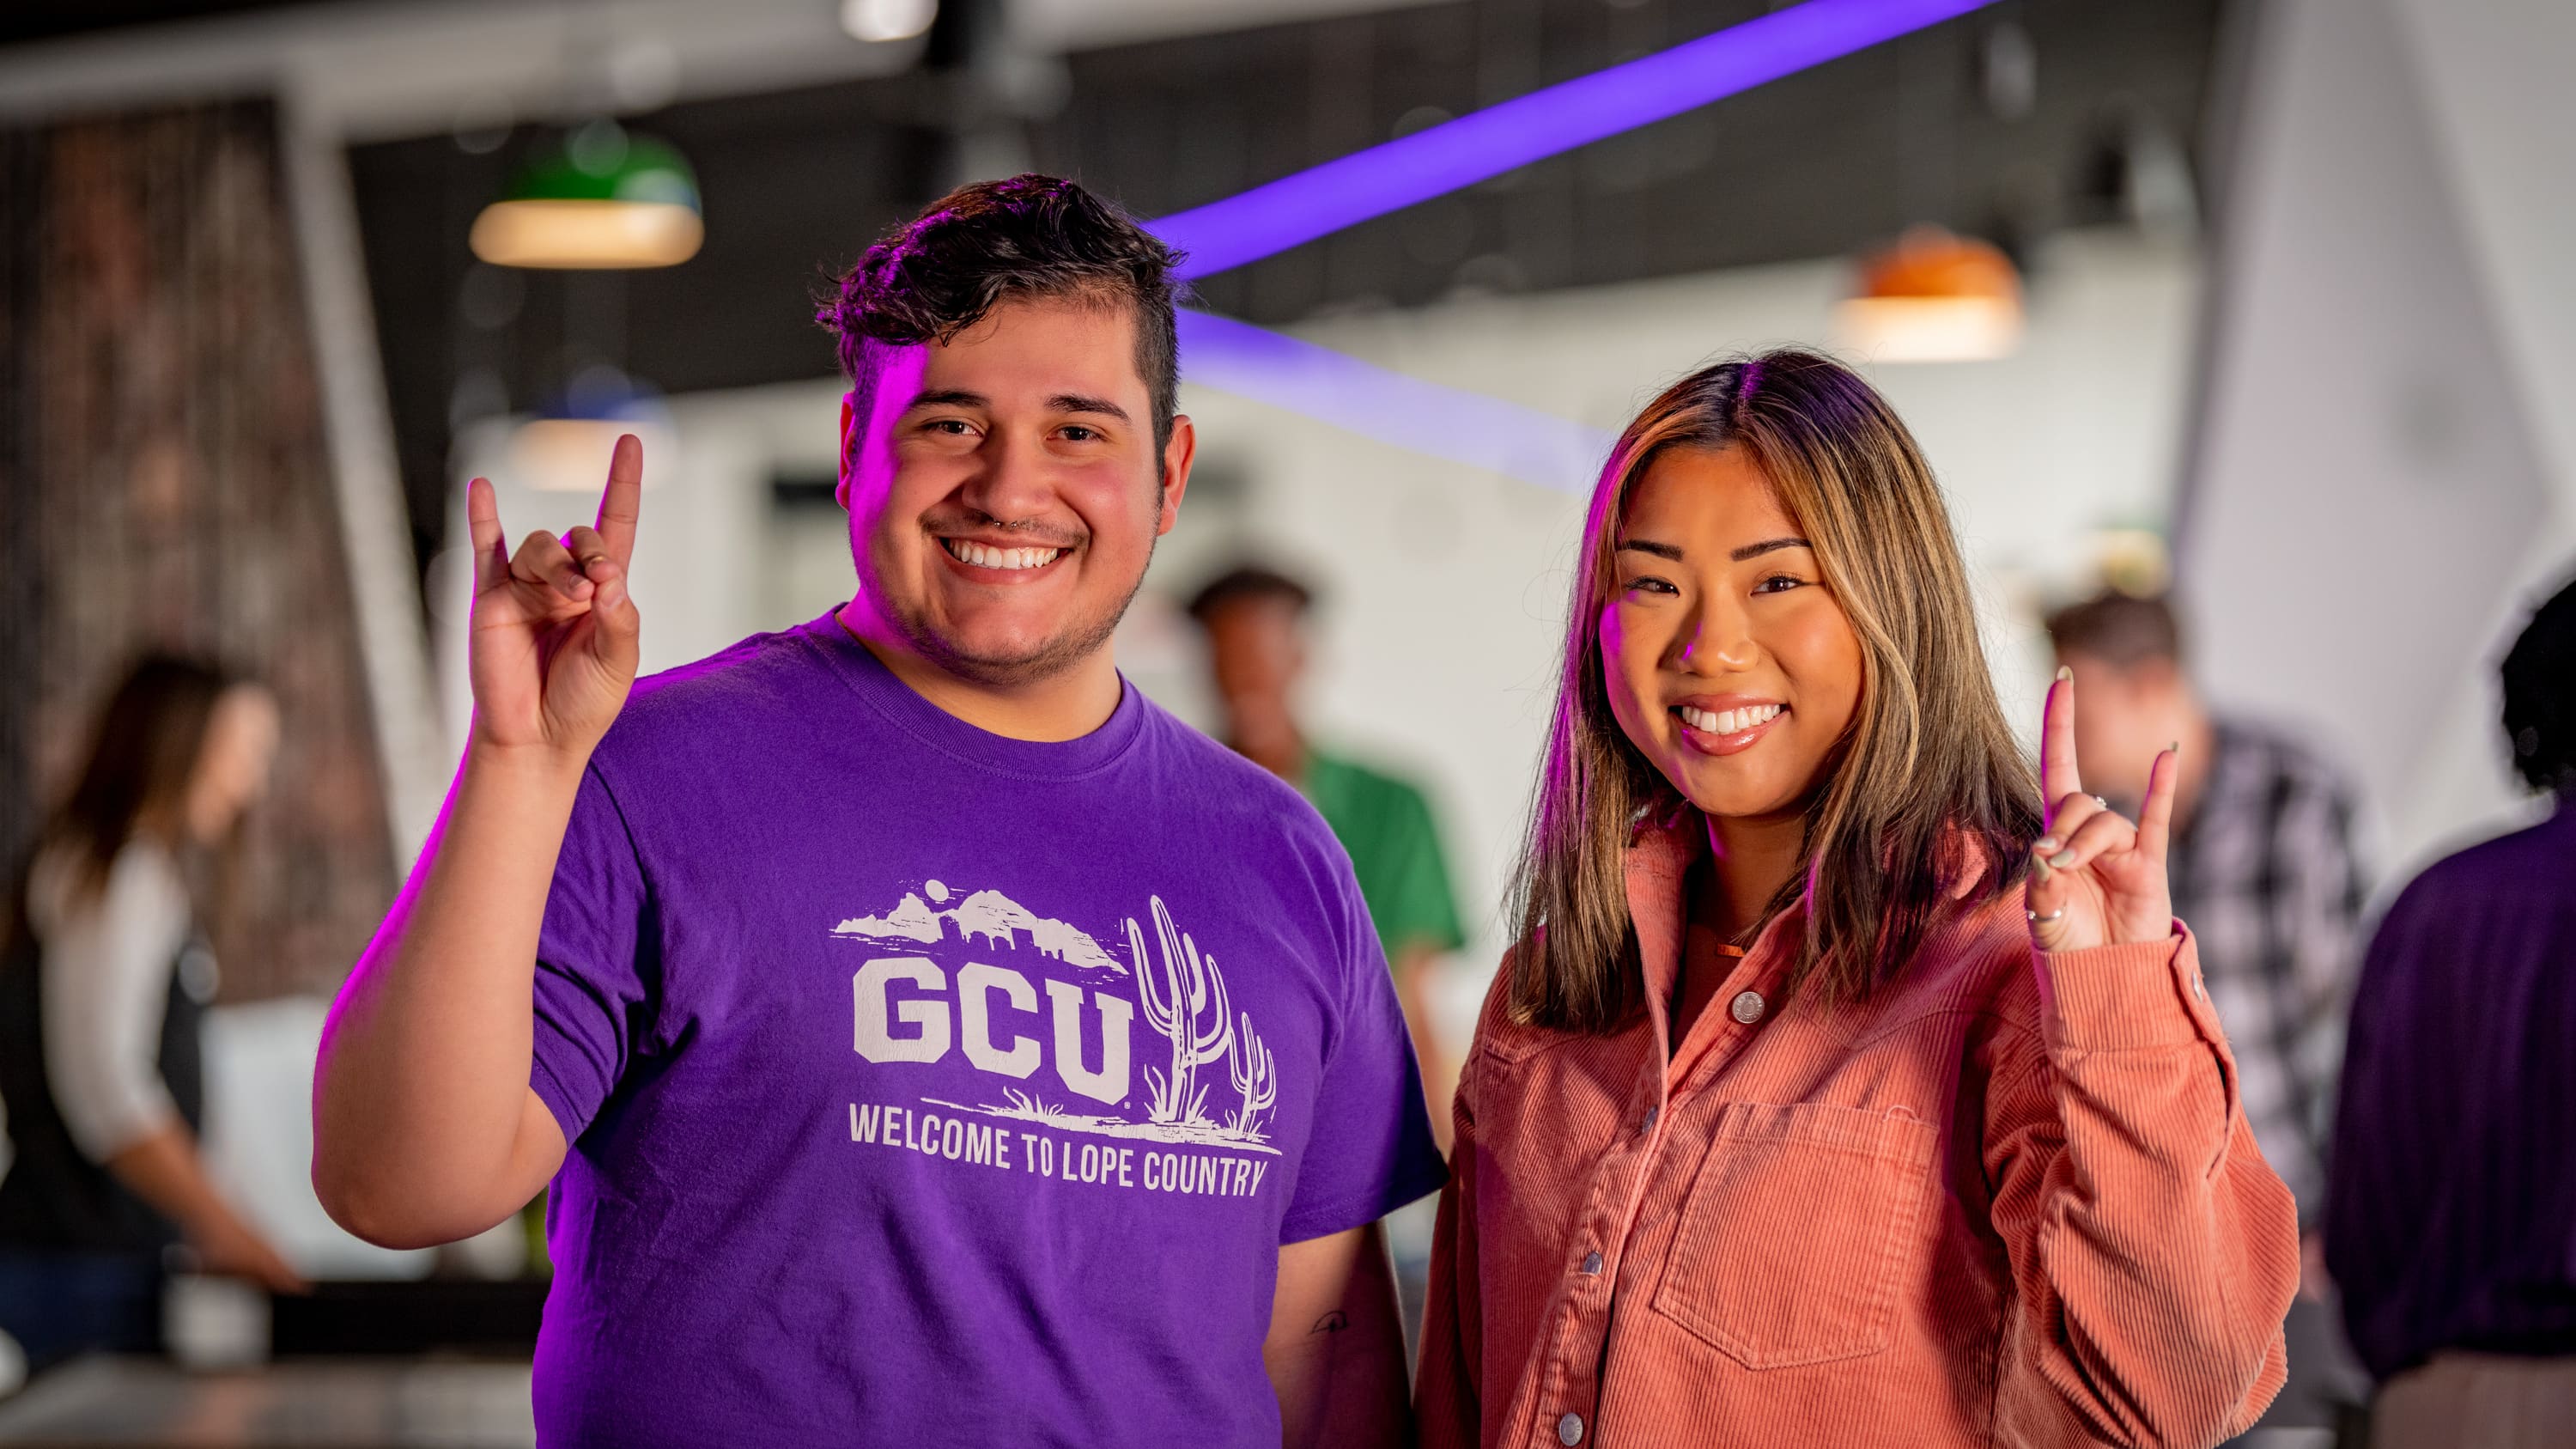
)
(2010, 1199)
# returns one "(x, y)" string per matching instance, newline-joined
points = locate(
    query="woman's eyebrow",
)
(1756, 550)
(1646, 545)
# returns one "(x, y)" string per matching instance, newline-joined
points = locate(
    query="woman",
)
(1835, 1096)
(101, 991)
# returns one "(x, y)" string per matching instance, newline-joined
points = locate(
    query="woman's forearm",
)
(163, 1168)
(425, 1129)
(2154, 1252)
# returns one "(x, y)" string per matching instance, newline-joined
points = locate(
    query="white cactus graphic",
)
(1183, 997)
(1255, 1074)
(1181, 994)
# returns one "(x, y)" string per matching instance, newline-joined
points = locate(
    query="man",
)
(2452, 1223)
(936, 1040)
(2265, 872)
(1255, 621)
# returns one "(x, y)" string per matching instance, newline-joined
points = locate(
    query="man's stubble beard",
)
(1049, 657)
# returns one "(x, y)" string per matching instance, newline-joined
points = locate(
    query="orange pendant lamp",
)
(1934, 296)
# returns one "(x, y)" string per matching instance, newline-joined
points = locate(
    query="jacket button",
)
(1569, 1430)
(1747, 1007)
(1591, 1265)
(1649, 1124)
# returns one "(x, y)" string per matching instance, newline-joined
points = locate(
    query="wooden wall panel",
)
(164, 482)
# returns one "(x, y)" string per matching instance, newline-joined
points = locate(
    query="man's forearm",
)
(1335, 1352)
(421, 1117)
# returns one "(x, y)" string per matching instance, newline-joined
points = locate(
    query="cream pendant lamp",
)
(605, 199)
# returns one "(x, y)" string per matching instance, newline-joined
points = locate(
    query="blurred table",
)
(318, 1404)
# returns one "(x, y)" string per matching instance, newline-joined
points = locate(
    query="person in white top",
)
(102, 985)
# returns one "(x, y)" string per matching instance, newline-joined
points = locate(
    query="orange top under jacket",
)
(2007, 1201)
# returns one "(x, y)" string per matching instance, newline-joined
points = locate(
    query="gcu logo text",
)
(928, 1017)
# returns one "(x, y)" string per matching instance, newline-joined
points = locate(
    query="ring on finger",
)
(2037, 919)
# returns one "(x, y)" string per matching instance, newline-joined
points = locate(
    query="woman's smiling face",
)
(1726, 658)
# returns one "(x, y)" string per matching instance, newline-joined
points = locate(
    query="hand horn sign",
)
(2095, 879)
(552, 651)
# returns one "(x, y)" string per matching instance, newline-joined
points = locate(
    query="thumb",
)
(2045, 895)
(613, 613)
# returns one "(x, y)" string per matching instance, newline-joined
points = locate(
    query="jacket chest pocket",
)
(1792, 1243)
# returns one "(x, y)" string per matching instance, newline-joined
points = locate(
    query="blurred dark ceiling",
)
(23, 20)
(796, 184)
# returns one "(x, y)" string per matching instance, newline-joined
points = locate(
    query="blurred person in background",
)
(1255, 620)
(102, 994)
(2265, 867)
(732, 961)
(2451, 1224)
(1848, 1085)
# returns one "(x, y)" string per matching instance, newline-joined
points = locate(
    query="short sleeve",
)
(1419, 905)
(597, 963)
(1369, 1149)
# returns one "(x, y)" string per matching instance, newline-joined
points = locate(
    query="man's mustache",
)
(1023, 532)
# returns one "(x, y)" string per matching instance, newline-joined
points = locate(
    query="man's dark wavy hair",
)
(995, 241)
(2539, 677)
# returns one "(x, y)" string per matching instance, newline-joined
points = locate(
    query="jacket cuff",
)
(2113, 998)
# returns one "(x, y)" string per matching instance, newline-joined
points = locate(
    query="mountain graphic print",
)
(1212, 1080)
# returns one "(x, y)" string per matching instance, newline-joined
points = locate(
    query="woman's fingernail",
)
(2062, 859)
(2065, 672)
(2045, 845)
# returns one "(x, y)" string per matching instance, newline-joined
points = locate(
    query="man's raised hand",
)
(551, 653)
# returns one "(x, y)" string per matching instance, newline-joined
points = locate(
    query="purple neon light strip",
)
(1254, 224)
(1360, 397)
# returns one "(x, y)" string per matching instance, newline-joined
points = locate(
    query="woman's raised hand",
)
(2095, 879)
(552, 651)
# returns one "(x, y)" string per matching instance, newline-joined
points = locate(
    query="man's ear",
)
(849, 439)
(1177, 455)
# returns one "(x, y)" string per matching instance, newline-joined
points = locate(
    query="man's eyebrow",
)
(1643, 545)
(947, 397)
(1768, 545)
(1074, 402)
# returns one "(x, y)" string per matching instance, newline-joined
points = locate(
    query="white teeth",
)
(1000, 558)
(1729, 721)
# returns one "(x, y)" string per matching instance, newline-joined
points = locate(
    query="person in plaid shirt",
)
(2264, 867)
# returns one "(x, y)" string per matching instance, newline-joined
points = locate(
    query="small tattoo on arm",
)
(1333, 1322)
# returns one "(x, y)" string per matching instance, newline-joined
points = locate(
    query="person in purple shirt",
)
(927, 1038)
(2451, 1207)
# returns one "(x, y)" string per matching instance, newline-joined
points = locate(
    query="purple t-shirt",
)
(933, 1087)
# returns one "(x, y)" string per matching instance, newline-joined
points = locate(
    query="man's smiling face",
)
(1005, 489)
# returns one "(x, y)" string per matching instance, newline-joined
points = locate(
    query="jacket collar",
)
(1657, 868)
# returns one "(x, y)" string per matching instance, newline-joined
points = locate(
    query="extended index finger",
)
(623, 498)
(483, 531)
(2155, 816)
(2058, 776)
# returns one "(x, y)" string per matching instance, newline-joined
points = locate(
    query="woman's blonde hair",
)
(1927, 767)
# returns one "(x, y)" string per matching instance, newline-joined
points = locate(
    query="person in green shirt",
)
(1255, 622)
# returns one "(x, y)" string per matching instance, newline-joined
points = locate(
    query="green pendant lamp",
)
(605, 199)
